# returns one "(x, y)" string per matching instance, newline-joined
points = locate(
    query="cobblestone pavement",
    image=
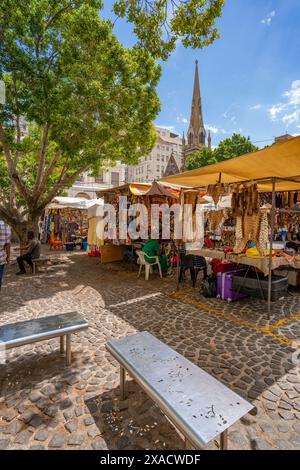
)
(46, 405)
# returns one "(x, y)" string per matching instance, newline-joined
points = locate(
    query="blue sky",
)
(249, 78)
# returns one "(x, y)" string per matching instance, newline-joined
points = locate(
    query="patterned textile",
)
(5, 234)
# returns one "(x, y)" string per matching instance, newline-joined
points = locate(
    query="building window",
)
(190, 138)
(115, 178)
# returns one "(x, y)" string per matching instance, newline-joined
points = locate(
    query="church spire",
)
(196, 134)
(196, 119)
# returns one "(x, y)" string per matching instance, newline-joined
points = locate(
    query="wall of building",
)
(152, 166)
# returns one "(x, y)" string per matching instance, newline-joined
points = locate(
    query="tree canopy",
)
(228, 148)
(159, 24)
(85, 98)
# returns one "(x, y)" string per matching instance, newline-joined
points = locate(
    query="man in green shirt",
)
(151, 249)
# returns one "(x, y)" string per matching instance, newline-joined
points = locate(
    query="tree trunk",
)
(22, 229)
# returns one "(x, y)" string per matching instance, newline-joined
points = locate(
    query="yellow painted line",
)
(285, 321)
(267, 330)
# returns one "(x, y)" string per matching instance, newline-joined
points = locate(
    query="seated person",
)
(152, 248)
(32, 251)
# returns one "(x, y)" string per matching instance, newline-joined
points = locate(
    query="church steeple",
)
(196, 134)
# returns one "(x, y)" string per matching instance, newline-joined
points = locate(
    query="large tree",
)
(228, 148)
(85, 97)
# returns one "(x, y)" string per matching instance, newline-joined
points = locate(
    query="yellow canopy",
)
(138, 189)
(280, 160)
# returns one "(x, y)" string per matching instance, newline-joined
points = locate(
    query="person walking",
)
(5, 234)
(33, 251)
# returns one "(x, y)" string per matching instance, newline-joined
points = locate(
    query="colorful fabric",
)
(5, 234)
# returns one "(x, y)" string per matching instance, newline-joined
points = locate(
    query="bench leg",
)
(122, 383)
(68, 349)
(62, 344)
(33, 268)
(224, 440)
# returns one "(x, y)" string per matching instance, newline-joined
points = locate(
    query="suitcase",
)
(222, 266)
(225, 285)
(255, 288)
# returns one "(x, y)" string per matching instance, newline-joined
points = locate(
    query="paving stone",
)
(71, 425)
(296, 427)
(57, 441)
(270, 396)
(78, 411)
(88, 420)
(76, 439)
(286, 415)
(34, 396)
(37, 447)
(295, 439)
(10, 415)
(251, 363)
(23, 437)
(14, 427)
(36, 420)
(41, 435)
(284, 406)
(282, 445)
(66, 403)
(4, 443)
(237, 438)
(283, 428)
(26, 416)
(99, 444)
(93, 431)
(261, 444)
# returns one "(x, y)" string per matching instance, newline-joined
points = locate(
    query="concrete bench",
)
(200, 407)
(52, 326)
(41, 260)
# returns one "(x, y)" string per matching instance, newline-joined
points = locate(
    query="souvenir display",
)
(67, 225)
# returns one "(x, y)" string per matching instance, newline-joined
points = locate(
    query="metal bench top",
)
(198, 404)
(30, 331)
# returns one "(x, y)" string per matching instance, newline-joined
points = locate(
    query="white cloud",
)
(169, 128)
(212, 129)
(294, 93)
(181, 119)
(268, 19)
(274, 110)
(289, 110)
(256, 106)
(291, 118)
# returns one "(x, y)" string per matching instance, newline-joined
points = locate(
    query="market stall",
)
(260, 185)
(65, 223)
(116, 246)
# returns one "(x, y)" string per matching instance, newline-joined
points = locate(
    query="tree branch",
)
(42, 159)
(11, 165)
(60, 185)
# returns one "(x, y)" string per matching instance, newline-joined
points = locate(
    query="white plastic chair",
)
(148, 266)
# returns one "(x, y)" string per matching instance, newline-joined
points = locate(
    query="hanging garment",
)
(263, 237)
(215, 218)
(239, 235)
(216, 191)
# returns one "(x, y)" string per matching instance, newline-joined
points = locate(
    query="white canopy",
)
(61, 202)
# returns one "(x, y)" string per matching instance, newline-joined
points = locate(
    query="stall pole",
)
(271, 247)
(178, 267)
